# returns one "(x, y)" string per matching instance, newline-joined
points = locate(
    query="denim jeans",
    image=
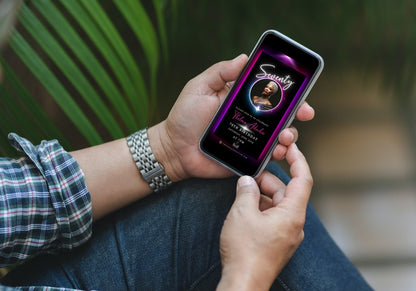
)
(170, 241)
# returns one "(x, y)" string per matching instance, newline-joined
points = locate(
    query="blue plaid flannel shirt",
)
(44, 202)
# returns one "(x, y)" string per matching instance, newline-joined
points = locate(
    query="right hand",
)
(176, 139)
(262, 232)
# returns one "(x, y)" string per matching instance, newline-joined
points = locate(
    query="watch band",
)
(151, 170)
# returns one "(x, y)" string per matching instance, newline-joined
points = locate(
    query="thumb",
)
(248, 193)
(226, 71)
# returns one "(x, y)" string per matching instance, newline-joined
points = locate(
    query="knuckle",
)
(301, 236)
(298, 222)
(295, 238)
(309, 181)
(294, 233)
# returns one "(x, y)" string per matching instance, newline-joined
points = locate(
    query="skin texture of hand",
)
(178, 137)
(261, 232)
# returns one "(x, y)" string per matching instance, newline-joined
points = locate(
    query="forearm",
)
(112, 176)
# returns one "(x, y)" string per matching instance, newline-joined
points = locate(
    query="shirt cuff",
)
(69, 195)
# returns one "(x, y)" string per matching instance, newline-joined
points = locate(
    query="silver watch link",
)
(151, 170)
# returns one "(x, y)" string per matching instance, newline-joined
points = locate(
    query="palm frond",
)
(76, 51)
(142, 27)
(54, 86)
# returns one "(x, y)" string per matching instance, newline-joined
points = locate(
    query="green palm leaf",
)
(51, 83)
(141, 25)
(92, 18)
(159, 8)
(28, 108)
(79, 48)
(75, 46)
(68, 67)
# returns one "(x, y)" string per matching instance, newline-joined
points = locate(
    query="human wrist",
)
(238, 278)
(164, 152)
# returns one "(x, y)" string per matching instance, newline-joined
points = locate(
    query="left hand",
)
(178, 136)
(262, 232)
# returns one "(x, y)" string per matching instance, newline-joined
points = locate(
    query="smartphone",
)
(262, 102)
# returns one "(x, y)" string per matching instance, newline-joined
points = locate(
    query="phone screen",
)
(261, 103)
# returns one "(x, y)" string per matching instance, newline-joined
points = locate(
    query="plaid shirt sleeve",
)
(44, 202)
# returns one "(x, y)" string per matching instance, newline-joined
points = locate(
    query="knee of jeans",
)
(205, 194)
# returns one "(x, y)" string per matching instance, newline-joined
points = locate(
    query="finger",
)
(288, 136)
(219, 74)
(279, 152)
(305, 112)
(271, 186)
(229, 85)
(299, 188)
(248, 194)
(265, 203)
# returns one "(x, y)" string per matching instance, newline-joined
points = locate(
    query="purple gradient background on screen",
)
(285, 60)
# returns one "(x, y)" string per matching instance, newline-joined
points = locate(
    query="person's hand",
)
(261, 232)
(290, 135)
(178, 136)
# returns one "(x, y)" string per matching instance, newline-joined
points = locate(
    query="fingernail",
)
(237, 57)
(245, 181)
(292, 136)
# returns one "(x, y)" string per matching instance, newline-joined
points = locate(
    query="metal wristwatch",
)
(151, 170)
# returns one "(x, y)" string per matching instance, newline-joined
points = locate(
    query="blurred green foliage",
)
(366, 35)
(171, 41)
(77, 51)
